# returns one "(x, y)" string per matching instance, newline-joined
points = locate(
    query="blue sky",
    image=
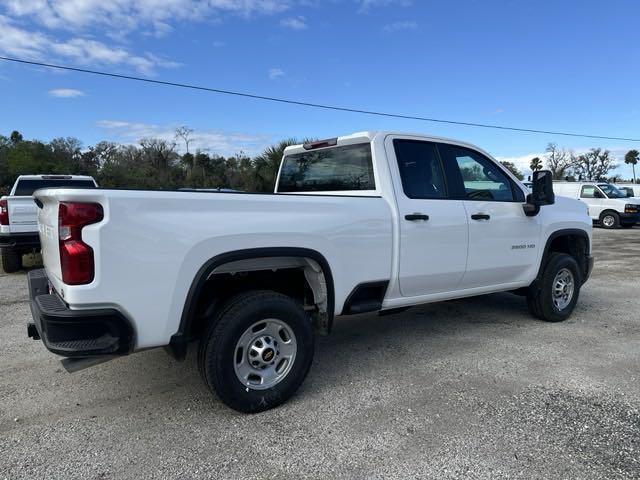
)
(552, 65)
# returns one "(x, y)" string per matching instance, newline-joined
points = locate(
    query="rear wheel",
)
(11, 260)
(609, 220)
(258, 351)
(555, 294)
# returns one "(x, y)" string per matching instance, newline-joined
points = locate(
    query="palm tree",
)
(631, 158)
(536, 164)
(267, 164)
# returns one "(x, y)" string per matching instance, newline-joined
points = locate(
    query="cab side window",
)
(420, 169)
(590, 191)
(482, 179)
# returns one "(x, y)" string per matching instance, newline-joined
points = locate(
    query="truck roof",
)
(370, 135)
(54, 177)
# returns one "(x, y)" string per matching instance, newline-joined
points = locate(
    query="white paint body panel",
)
(150, 244)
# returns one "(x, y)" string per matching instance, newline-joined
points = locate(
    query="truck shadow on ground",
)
(430, 332)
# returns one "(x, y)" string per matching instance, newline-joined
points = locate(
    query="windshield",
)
(611, 191)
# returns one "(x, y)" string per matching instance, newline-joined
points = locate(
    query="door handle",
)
(412, 217)
(480, 216)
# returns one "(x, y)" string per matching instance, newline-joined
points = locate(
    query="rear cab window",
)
(27, 187)
(336, 169)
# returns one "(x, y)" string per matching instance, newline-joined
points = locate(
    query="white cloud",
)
(397, 26)
(366, 5)
(66, 93)
(295, 23)
(213, 141)
(275, 73)
(124, 16)
(31, 45)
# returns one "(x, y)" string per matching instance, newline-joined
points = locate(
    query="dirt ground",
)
(472, 388)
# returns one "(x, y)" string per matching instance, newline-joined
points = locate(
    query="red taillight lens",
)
(4, 213)
(76, 257)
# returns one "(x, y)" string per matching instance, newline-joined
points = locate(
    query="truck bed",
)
(158, 240)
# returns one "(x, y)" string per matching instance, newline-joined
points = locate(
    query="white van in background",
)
(607, 205)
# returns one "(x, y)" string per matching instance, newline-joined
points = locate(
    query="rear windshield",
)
(27, 187)
(334, 169)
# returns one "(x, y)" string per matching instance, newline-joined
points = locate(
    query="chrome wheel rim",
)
(264, 354)
(608, 221)
(563, 288)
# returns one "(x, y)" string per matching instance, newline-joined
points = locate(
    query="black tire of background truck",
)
(612, 224)
(540, 297)
(216, 353)
(11, 260)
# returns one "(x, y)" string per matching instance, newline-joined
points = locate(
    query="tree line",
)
(596, 164)
(155, 163)
(152, 163)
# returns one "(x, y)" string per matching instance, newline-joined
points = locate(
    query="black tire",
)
(609, 220)
(540, 297)
(217, 354)
(11, 260)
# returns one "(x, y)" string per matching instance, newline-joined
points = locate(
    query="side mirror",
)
(629, 193)
(543, 188)
(542, 192)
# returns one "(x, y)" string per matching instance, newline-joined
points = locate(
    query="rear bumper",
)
(75, 333)
(21, 240)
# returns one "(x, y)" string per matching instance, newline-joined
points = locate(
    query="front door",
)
(503, 242)
(433, 228)
(594, 198)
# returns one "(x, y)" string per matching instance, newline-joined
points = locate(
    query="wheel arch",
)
(608, 211)
(564, 241)
(178, 344)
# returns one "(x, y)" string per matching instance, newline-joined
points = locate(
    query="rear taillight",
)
(4, 212)
(76, 257)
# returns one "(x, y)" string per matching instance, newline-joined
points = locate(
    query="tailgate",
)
(22, 212)
(47, 217)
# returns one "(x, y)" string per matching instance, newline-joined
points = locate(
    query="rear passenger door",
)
(503, 242)
(433, 228)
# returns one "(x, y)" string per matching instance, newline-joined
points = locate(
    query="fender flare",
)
(178, 344)
(562, 233)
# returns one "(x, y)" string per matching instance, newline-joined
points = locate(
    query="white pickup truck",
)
(18, 215)
(368, 222)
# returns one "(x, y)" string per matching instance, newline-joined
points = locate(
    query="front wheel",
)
(555, 295)
(258, 351)
(610, 220)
